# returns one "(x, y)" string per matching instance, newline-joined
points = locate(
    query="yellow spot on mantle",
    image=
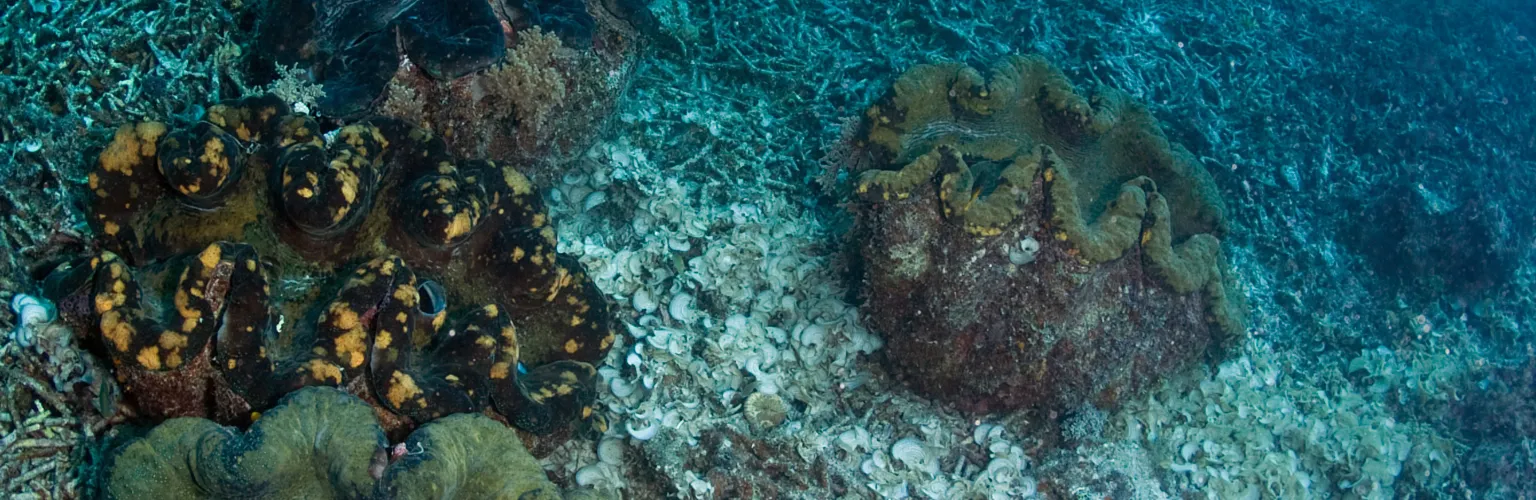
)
(104, 303)
(407, 295)
(515, 180)
(130, 145)
(323, 371)
(210, 256)
(345, 317)
(172, 340)
(116, 330)
(459, 227)
(401, 388)
(350, 344)
(149, 358)
(383, 339)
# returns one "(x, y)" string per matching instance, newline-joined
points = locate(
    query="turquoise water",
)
(767, 249)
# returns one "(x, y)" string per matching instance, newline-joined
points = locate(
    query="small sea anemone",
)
(766, 411)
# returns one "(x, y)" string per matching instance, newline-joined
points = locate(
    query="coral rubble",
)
(1026, 245)
(246, 256)
(1251, 427)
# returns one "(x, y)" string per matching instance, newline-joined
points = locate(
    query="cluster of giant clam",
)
(253, 253)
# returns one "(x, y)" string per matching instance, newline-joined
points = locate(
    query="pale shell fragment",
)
(1024, 252)
(867, 466)
(911, 452)
(611, 451)
(651, 428)
(679, 245)
(814, 335)
(589, 475)
(643, 301)
(987, 433)
(593, 200)
(31, 312)
(621, 388)
(853, 439)
(681, 308)
(599, 475)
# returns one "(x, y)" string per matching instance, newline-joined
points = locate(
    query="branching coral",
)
(289, 260)
(444, 64)
(1126, 286)
(529, 81)
(538, 105)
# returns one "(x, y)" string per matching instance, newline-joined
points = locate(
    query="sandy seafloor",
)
(695, 212)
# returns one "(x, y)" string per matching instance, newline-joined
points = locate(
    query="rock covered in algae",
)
(1025, 245)
(323, 443)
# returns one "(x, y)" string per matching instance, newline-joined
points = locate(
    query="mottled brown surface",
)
(965, 325)
(575, 85)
